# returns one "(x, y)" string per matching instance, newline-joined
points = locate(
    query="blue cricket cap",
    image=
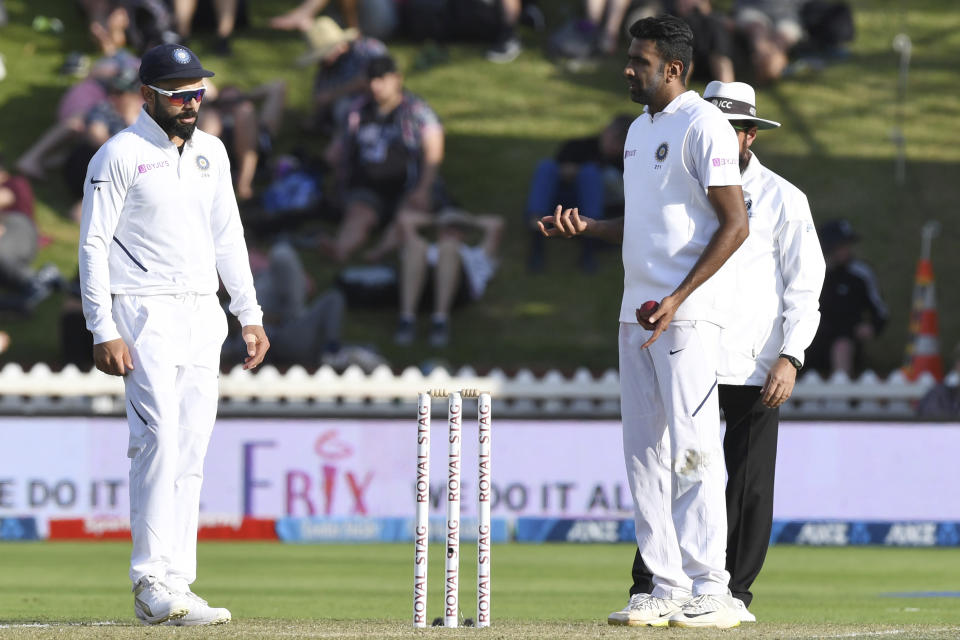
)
(169, 62)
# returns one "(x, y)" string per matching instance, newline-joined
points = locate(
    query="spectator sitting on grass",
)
(388, 156)
(459, 272)
(50, 150)
(23, 288)
(136, 24)
(608, 16)
(248, 131)
(376, 18)
(772, 28)
(301, 332)
(342, 72)
(587, 172)
(119, 110)
(712, 40)
(225, 18)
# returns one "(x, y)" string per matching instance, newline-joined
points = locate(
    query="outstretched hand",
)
(565, 222)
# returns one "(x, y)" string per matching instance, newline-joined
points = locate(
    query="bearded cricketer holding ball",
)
(684, 216)
(779, 271)
(159, 224)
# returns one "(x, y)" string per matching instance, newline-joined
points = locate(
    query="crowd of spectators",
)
(758, 41)
(375, 194)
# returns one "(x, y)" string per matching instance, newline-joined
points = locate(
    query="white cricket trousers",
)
(674, 455)
(171, 394)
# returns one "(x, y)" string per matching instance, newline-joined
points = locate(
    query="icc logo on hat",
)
(181, 55)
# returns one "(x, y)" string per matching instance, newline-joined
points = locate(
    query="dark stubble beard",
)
(171, 125)
(647, 94)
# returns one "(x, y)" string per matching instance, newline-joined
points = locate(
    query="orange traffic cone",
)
(923, 344)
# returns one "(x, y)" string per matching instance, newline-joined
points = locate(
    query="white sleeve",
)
(104, 190)
(713, 153)
(802, 268)
(233, 264)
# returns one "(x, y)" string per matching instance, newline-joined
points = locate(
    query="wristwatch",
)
(796, 363)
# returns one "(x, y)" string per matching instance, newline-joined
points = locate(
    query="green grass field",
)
(80, 590)
(835, 144)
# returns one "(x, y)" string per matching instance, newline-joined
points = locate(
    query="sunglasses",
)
(742, 127)
(180, 98)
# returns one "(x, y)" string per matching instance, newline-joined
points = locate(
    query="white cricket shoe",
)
(707, 611)
(644, 609)
(201, 614)
(155, 603)
(742, 611)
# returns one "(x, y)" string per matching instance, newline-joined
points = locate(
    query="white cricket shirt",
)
(779, 272)
(669, 161)
(156, 221)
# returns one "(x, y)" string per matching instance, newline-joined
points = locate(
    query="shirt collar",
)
(753, 168)
(147, 127)
(676, 103)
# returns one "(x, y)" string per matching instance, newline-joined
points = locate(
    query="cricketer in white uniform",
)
(779, 272)
(684, 217)
(159, 223)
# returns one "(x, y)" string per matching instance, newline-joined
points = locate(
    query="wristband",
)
(796, 363)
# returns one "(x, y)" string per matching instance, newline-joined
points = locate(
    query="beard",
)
(646, 94)
(172, 125)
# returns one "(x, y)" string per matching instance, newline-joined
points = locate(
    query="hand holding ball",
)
(643, 313)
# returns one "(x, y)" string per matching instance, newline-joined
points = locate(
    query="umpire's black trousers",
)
(750, 449)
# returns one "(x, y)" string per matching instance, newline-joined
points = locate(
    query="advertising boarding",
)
(77, 468)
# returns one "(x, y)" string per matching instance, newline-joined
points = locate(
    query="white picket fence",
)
(40, 391)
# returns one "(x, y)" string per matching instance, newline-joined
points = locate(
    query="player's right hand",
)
(660, 318)
(566, 223)
(113, 357)
(643, 318)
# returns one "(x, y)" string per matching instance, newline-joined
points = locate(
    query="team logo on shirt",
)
(661, 153)
(202, 163)
(748, 203)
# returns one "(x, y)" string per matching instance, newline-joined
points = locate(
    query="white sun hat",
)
(738, 101)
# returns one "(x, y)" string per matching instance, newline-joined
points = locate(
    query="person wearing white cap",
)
(684, 216)
(780, 271)
(159, 230)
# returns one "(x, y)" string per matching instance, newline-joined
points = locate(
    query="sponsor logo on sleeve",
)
(721, 162)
